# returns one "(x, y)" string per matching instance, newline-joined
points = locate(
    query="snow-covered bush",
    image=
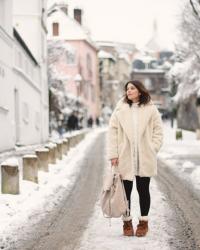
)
(58, 98)
(184, 75)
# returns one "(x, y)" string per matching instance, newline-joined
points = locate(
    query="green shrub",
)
(179, 134)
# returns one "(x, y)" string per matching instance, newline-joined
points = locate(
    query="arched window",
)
(70, 57)
(138, 64)
(89, 64)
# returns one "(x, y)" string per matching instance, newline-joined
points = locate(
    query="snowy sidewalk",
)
(182, 156)
(21, 213)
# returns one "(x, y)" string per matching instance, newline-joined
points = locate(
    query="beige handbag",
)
(113, 199)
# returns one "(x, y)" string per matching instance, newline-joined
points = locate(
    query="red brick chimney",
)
(78, 15)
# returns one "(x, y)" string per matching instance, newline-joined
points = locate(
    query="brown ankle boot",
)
(128, 228)
(142, 228)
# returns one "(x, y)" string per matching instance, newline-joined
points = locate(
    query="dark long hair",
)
(144, 98)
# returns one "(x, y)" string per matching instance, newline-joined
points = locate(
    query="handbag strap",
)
(114, 170)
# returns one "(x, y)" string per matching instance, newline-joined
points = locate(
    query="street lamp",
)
(78, 80)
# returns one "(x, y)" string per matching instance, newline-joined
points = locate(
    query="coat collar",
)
(125, 117)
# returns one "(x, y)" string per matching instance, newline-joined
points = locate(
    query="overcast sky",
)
(130, 20)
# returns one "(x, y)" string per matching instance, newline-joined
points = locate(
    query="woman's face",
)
(132, 93)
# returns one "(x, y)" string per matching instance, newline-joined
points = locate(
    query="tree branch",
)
(194, 9)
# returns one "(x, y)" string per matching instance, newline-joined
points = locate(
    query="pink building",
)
(76, 64)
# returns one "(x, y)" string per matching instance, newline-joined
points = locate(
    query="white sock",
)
(145, 218)
(126, 218)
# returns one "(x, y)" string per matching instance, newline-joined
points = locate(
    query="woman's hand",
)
(114, 162)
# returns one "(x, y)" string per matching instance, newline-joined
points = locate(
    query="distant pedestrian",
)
(60, 128)
(72, 123)
(81, 122)
(97, 121)
(172, 118)
(90, 122)
(134, 138)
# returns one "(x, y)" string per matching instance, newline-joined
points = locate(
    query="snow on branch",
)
(185, 72)
(195, 7)
(56, 48)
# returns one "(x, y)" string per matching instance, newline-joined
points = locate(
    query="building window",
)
(55, 29)
(138, 64)
(148, 84)
(25, 113)
(93, 97)
(70, 57)
(86, 89)
(89, 64)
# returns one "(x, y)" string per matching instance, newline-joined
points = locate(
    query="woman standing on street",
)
(134, 138)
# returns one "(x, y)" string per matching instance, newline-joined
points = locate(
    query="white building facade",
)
(24, 108)
(6, 76)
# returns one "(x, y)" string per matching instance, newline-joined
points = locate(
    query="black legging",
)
(142, 184)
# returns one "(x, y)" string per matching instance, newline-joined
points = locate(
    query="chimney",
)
(78, 15)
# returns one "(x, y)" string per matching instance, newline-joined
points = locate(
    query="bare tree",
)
(195, 6)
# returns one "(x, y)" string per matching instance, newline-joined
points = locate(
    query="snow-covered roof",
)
(149, 71)
(105, 55)
(145, 58)
(166, 65)
(118, 45)
(124, 56)
(69, 28)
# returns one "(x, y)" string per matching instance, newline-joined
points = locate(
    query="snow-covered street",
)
(82, 95)
(63, 211)
(175, 204)
(23, 216)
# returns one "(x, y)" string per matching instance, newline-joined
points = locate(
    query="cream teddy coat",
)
(121, 139)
